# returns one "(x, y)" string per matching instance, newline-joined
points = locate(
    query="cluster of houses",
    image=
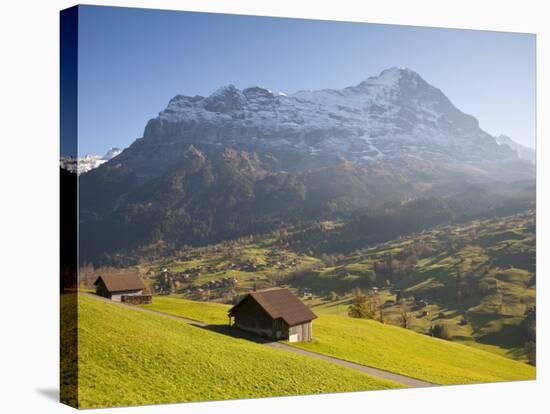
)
(282, 262)
(203, 291)
(168, 282)
(415, 305)
(305, 293)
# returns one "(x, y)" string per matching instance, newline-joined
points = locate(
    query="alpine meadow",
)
(254, 243)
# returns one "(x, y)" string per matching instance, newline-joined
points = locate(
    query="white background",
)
(29, 204)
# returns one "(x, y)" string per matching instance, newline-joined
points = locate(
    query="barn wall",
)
(280, 329)
(249, 315)
(101, 290)
(303, 332)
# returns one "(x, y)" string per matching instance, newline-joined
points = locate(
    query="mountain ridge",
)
(236, 161)
(523, 152)
(355, 120)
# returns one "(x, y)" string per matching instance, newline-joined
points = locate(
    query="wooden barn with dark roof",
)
(275, 313)
(122, 288)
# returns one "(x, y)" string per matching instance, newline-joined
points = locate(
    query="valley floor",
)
(476, 278)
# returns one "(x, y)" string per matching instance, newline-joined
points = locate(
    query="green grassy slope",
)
(127, 357)
(477, 276)
(68, 365)
(382, 346)
(208, 312)
(405, 352)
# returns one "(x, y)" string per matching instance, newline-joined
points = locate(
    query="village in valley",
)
(381, 282)
(265, 290)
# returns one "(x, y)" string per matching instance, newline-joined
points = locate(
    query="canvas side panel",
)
(68, 207)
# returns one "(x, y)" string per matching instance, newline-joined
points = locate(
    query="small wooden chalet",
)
(122, 288)
(275, 313)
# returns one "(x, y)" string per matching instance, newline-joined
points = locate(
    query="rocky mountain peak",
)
(395, 77)
(225, 99)
(389, 115)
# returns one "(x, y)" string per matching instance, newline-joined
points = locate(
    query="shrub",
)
(440, 331)
(359, 307)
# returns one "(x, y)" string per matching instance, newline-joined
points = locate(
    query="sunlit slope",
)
(382, 346)
(409, 353)
(208, 312)
(128, 357)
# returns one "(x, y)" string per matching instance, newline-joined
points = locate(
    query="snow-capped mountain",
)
(88, 162)
(111, 153)
(394, 113)
(523, 152)
(240, 162)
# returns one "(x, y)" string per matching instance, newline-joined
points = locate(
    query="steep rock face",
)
(394, 113)
(244, 161)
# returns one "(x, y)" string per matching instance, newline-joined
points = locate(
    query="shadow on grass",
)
(235, 333)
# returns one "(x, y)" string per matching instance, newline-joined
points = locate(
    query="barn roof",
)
(281, 303)
(120, 283)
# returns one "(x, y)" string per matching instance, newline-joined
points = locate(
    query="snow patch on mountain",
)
(389, 77)
(88, 162)
(523, 152)
(111, 153)
(389, 115)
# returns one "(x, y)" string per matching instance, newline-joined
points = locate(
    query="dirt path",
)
(139, 308)
(227, 330)
(375, 372)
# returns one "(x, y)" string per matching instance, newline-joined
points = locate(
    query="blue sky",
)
(132, 61)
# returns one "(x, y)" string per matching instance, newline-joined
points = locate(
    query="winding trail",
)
(227, 330)
(374, 372)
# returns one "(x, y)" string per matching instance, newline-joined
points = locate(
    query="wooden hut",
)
(122, 288)
(274, 313)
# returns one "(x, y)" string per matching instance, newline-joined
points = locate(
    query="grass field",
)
(128, 357)
(405, 352)
(382, 346)
(68, 348)
(208, 312)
